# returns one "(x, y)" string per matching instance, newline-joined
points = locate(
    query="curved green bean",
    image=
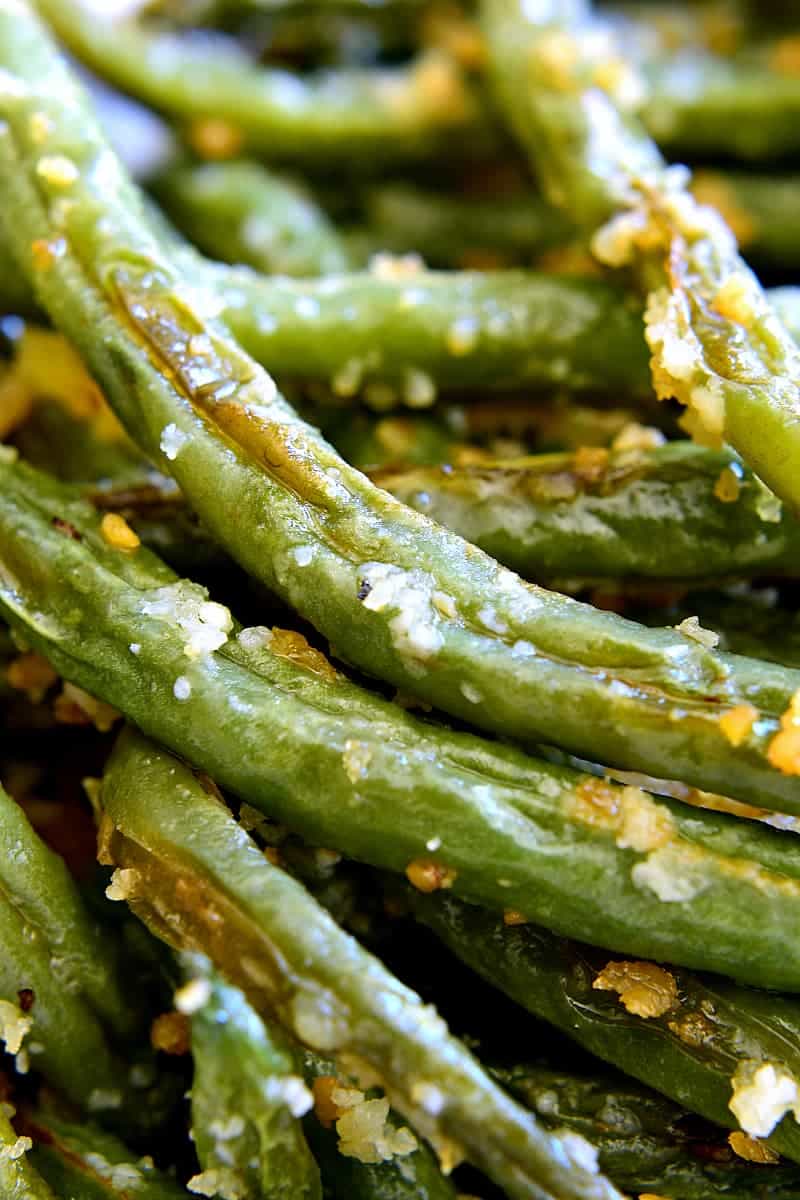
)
(80, 1161)
(182, 859)
(452, 230)
(230, 103)
(242, 213)
(675, 512)
(400, 597)
(645, 1142)
(246, 1100)
(267, 716)
(83, 958)
(688, 1047)
(759, 209)
(717, 346)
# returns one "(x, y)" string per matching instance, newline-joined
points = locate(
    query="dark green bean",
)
(184, 863)
(675, 512)
(699, 1030)
(242, 213)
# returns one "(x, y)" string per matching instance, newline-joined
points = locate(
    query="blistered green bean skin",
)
(688, 1053)
(18, 1179)
(717, 345)
(645, 1142)
(245, 1133)
(641, 513)
(399, 596)
(81, 1161)
(363, 115)
(281, 728)
(242, 213)
(187, 863)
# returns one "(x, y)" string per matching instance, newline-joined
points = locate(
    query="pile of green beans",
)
(398, 587)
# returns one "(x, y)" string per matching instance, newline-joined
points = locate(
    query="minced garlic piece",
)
(57, 170)
(355, 760)
(123, 884)
(17, 1148)
(31, 674)
(118, 533)
(206, 623)
(15, 1025)
(737, 722)
(286, 643)
(671, 874)
(192, 996)
(644, 989)
(690, 627)
(224, 1182)
(429, 876)
(634, 436)
(512, 916)
(751, 1148)
(366, 1135)
(394, 268)
(763, 1093)
(733, 300)
(644, 825)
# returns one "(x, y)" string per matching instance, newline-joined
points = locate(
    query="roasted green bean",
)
(183, 863)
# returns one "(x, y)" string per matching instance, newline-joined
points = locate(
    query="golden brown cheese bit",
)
(44, 252)
(118, 534)
(733, 301)
(783, 751)
(752, 1149)
(555, 57)
(169, 1033)
(728, 487)
(293, 646)
(428, 876)
(512, 916)
(785, 56)
(215, 138)
(590, 463)
(31, 674)
(596, 802)
(644, 989)
(737, 722)
(711, 189)
(325, 1109)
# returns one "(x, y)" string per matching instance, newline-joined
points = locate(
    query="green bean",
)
(759, 209)
(284, 731)
(246, 1100)
(83, 958)
(643, 1141)
(700, 103)
(451, 230)
(229, 102)
(397, 593)
(717, 346)
(18, 1179)
(699, 1032)
(80, 1161)
(185, 863)
(415, 1176)
(242, 213)
(655, 513)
